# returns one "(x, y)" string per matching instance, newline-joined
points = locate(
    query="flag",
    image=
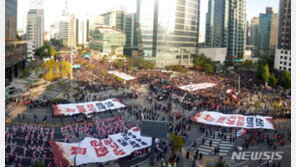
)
(241, 132)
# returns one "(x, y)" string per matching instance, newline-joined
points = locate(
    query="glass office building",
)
(10, 19)
(168, 32)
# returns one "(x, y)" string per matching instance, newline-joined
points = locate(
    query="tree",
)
(257, 105)
(65, 68)
(176, 142)
(177, 68)
(57, 73)
(148, 65)
(272, 80)
(285, 80)
(120, 80)
(220, 163)
(276, 105)
(209, 68)
(203, 63)
(49, 75)
(247, 63)
(53, 52)
(103, 72)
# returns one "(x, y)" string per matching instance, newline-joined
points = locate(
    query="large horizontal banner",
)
(92, 150)
(194, 87)
(122, 75)
(233, 120)
(87, 108)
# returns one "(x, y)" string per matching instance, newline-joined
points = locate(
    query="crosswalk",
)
(206, 149)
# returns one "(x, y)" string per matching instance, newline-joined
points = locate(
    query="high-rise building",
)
(63, 31)
(267, 33)
(283, 50)
(236, 29)
(10, 19)
(217, 23)
(78, 30)
(254, 30)
(168, 32)
(226, 26)
(106, 41)
(114, 19)
(15, 51)
(35, 29)
(130, 30)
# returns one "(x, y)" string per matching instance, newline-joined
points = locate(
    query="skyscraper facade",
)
(283, 49)
(10, 19)
(217, 23)
(226, 26)
(267, 32)
(236, 29)
(35, 27)
(63, 31)
(254, 30)
(168, 32)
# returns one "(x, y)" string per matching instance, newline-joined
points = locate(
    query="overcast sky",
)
(53, 9)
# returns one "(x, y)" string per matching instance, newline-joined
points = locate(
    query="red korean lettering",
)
(96, 143)
(240, 121)
(81, 108)
(101, 151)
(118, 152)
(91, 107)
(70, 110)
(221, 120)
(231, 120)
(209, 118)
(108, 141)
(76, 150)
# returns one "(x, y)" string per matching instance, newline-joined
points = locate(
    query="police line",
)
(87, 108)
(92, 150)
(233, 120)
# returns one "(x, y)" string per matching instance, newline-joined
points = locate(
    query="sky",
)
(53, 9)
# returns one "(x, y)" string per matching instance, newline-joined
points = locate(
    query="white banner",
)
(234, 120)
(87, 108)
(194, 87)
(122, 75)
(92, 150)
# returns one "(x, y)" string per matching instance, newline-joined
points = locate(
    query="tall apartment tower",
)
(168, 32)
(217, 23)
(226, 26)
(267, 32)
(283, 50)
(35, 28)
(130, 30)
(254, 30)
(63, 31)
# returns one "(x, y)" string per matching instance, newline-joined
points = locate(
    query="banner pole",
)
(152, 152)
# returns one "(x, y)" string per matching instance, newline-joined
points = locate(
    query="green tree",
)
(247, 63)
(220, 163)
(263, 72)
(285, 80)
(65, 68)
(201, 62)
(209, 68)
(176, 142)
(272, 80)
(177, 68)
(103, 72)
(148, 65)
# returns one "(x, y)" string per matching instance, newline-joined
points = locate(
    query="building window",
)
(281, 57)
(285, 63)
(280, 68)
(284, 68)
(281, 62)
(285, 57)
(290, 64)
